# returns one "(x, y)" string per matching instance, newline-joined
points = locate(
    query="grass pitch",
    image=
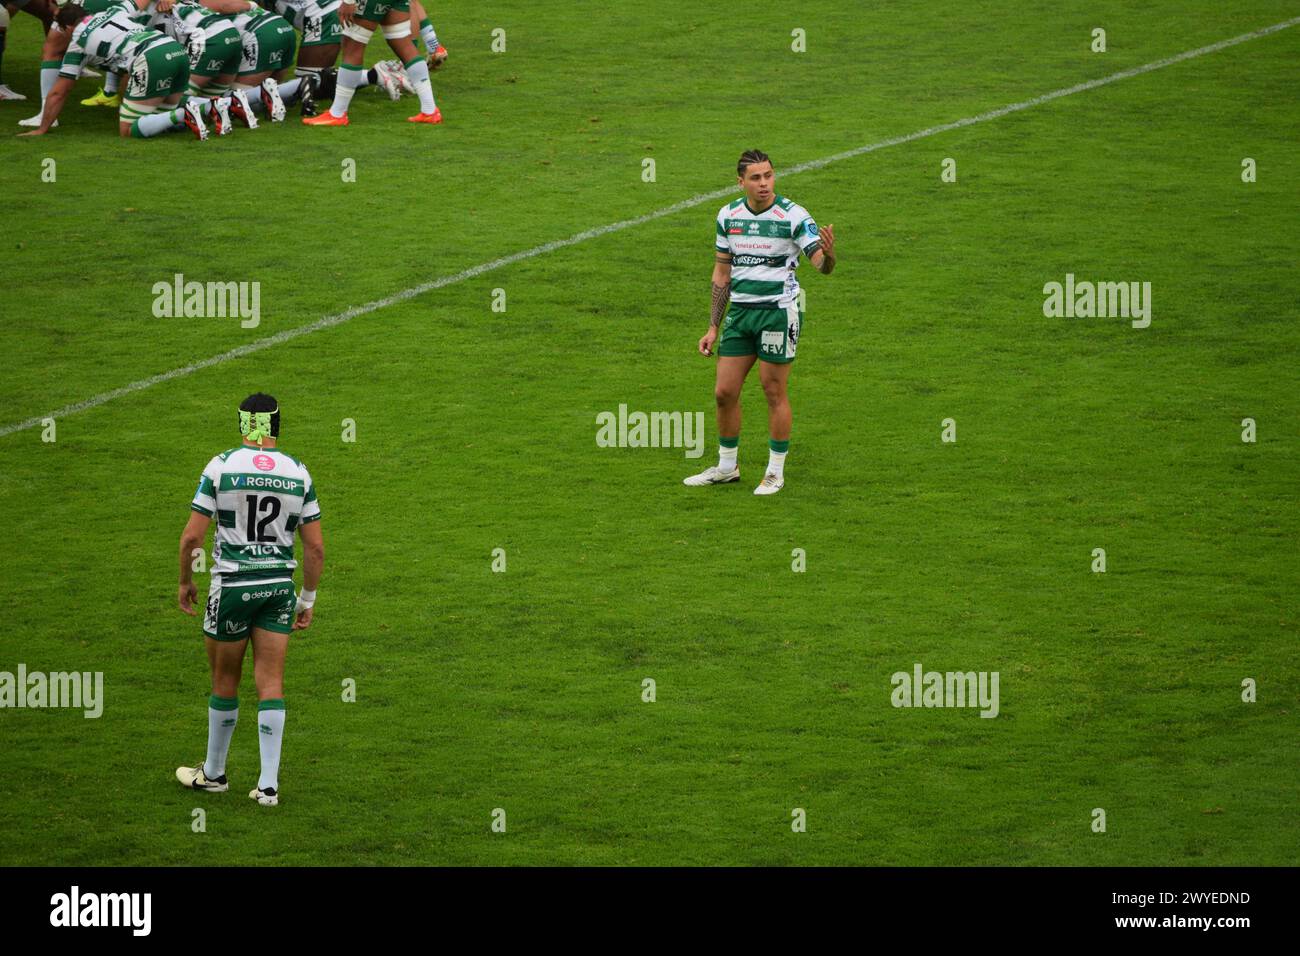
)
(475, 431)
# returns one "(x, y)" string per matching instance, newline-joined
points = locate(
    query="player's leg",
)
(269, 648)
(731, 373)
(52, 50)
(226, 626)
(351, 73)
(145, 119)
(5, 92)
(42, 10)
(421, 25)
(775, 377)
(317, 53)
(397, 31)
(778, 339)
(226, 660)
(267, 49)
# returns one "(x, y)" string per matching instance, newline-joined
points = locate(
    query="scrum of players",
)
(208, 66)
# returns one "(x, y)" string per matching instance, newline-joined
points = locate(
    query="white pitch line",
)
(339, 318)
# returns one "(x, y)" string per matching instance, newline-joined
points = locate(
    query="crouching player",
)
(52, 50)
(213, 44)
(359, 22)
(158, 67)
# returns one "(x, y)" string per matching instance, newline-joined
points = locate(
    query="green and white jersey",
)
(259, 497)
(111, 39)
(305, 15)
(188, 18)
(765, 249)
(253, 18)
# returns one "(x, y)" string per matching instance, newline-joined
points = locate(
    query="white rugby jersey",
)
(765, 250)
(259, 497)
(306, 16)
(112, 38)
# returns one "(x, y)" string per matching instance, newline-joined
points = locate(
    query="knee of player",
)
(726, 395)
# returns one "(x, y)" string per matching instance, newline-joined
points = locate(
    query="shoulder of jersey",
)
(736, 204)
(292, 459)
(226, 454)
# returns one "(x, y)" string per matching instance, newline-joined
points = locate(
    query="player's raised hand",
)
(303, 620)
(827, 237)
(706, 343)
(186, 595)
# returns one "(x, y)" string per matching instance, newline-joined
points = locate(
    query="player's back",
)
(259, 497)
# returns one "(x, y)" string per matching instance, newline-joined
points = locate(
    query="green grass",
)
(475, 431)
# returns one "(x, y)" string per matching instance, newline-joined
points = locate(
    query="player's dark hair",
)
(70, 15)
(749, 157)
(261, 402)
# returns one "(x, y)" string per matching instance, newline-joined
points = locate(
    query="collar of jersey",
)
(775, 199)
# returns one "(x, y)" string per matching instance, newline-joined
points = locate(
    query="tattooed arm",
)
(721, 298)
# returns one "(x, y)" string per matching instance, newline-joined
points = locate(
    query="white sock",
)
(110, 83)
(48, 75)
(289, 91)
(776, 463)
(350, 80)
(221, 723)
(152, 125)
(428, 36)
(418, 74)
(270, 733)
(727, 458)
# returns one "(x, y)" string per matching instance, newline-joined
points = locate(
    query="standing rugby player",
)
(260, 496)
(759, 239)
(359, 21)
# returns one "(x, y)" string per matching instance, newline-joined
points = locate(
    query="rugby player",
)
(259, 496)
(37, 8)
(158, 66)
(54, 46)
(359, 21)
(759, 239)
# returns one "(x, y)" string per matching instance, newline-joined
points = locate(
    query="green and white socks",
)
(777, 450)
(270, 734)
(428, 35)
(223, 714)
(351, 78)
(728, 448)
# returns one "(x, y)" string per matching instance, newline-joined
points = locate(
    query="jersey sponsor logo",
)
(266, 482)
(259, 595)
(263, 462)
(772, 342)
(749, 260)
(758, 227)
(236, 627)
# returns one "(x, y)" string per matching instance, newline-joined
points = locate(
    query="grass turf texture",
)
(475, 431)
